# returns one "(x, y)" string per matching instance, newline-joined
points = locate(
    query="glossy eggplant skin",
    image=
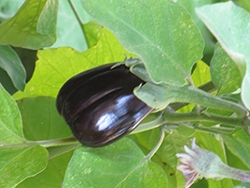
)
(99, 105)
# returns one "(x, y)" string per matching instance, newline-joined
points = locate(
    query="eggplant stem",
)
(157, 146)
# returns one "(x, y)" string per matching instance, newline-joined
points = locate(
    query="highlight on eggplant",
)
(99, 105)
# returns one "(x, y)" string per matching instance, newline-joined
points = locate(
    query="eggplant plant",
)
(74, 113)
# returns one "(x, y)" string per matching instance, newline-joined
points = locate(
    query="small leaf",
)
(92, 32)
(201, 74)
(69, 31)
(55, 66)
(10, 62)
(21, 30)
(225, 74)
(10, 120)
(21, 163)
(172, 144)
(169, 48)
(41, 120)
(228, 24)
(237, 143)
(114, 165)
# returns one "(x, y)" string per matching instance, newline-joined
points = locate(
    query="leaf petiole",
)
(45, 143)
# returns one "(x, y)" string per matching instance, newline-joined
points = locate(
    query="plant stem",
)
(197, 96)
(79, 20)
(173, 117)
(149, 125)
(45, 143)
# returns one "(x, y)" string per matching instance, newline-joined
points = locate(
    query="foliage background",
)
(43, 43)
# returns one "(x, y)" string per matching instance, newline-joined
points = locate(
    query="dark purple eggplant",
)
(99, 105)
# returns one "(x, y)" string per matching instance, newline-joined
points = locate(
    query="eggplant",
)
(99, 105)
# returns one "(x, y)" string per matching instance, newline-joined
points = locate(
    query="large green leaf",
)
(161, 33)
(229, 24)
(10, 62)
(55, 66)
(10, 120)
(33, 30)
(118, 165)
(224, 72)
(41, 120)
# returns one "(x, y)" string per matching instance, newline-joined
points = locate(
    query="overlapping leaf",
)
(52, 176)
(8, 8)
(230, 25)
(10, 120)
(201, 74)
(56, 66)
(41, 120)
(33, 30)
(237, 143)
(24, 163)
(10, 62)
(224, 72)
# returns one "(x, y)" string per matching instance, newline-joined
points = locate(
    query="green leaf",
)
(213, 145)
(152, 174)
(55, 66)
(52, 176)
(10, 62)
(92, 32)
(10, 120)
(47, 20)
(237, 143)
(20, 163)
(169, 48)
(201, 74)
(117, 164)
(27, 30)
(41, 120)
(7, 82)
(165, 156)
(207, 36)
(228, 24)
(221, 184)
(225, 74)
(8, 8)
(172, 144)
